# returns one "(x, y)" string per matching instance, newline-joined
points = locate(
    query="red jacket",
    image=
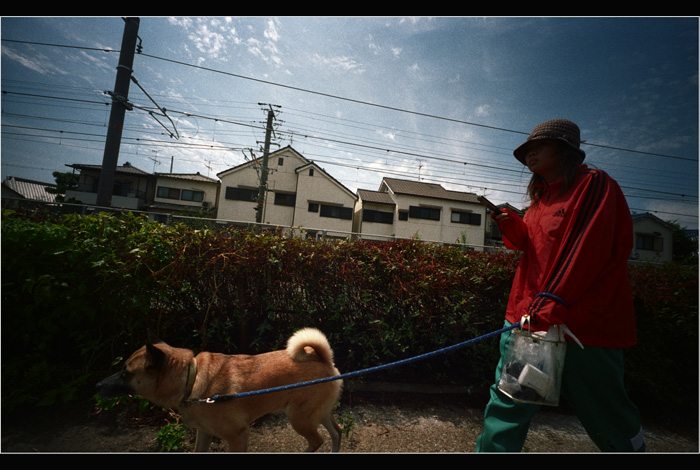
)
(573, 268)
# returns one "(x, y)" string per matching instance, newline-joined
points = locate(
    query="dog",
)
(171, 377)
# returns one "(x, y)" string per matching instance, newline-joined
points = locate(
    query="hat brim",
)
(521, 151)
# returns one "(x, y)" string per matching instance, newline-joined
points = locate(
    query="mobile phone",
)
(488, 204)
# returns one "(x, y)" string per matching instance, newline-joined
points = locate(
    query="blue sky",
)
(441, 99)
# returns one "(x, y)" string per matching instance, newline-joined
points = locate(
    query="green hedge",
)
(80, 292)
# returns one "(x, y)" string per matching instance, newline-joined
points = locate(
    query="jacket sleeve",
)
(596, 241)
(514, 231)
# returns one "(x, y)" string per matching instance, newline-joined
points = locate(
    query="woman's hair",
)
(570, 161)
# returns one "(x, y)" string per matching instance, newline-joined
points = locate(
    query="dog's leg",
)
(308, 428)
(238, 441)
(203, 441)
(334, 430)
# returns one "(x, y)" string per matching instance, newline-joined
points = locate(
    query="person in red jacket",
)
(575, 238)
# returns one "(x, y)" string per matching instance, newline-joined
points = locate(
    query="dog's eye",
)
(125, 375)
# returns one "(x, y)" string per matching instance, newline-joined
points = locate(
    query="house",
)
(298, 194)
(184, 194)
(132, 187)
(22, 188)
(426, 211)
(653, 239)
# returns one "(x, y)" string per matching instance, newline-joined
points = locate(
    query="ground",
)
(378, 422)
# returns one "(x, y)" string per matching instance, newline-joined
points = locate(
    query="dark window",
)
(650, 242)
(380, 217)
(282, 199)
(190, 195)
(168, 193)
(241, 194)
(403, 215)
(468, 218)
(336, 212)
(313, 207)
(429, 213)
(122, 188)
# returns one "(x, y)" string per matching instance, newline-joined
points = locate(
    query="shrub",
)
(80, 293)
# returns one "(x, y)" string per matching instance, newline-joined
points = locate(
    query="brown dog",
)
(168, 377)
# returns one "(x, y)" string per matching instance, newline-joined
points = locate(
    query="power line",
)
(351, 100)
(339, 141)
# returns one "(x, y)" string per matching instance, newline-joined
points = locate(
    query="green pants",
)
(592, 383)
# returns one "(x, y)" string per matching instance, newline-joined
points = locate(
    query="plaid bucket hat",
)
(557, 129)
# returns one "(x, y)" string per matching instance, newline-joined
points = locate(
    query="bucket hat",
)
(557, 129)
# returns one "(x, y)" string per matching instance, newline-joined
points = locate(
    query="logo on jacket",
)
(560, 213)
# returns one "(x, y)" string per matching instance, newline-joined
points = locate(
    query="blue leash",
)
(222, 398)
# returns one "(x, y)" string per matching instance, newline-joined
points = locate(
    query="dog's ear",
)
(155, 357)
(152, 338)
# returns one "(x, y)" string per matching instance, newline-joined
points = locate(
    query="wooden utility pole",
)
(263, 175)
(105, 186)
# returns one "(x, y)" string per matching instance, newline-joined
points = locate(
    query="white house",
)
(653, 239)
(427, 211)
(299, 194)
(184, 192)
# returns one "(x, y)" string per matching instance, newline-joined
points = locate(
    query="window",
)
(649, 242)
(311, 171)
(336, 212)
(313, 207)
(241, 194)
(191, 195)
(403, 215)
(468, 218)
(380, 217)
(280, 161)
(429, 213)
(168, 193)
(121, 188)
(282, 199)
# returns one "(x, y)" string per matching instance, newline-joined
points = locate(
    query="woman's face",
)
(542, 158)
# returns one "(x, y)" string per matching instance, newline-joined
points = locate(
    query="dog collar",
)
(191, 376)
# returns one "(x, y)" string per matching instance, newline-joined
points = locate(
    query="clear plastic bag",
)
(533, 365)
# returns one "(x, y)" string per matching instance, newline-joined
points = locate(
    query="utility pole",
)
(263, 176)
(105, 186)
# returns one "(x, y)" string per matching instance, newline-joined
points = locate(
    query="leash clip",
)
(525, 320)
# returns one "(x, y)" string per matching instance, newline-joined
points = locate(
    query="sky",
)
(438, 99)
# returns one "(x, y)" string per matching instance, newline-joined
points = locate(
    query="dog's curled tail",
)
(305, 342)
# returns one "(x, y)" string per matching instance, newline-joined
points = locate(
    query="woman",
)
(575, 239)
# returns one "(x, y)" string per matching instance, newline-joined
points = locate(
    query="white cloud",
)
(38, 63)
(340, 62)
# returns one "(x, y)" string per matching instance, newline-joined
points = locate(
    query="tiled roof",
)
(127, 168)
(30, 189)
(430, 190)
(376, 197)
(187, 176)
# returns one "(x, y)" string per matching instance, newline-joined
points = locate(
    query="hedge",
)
(80, 292)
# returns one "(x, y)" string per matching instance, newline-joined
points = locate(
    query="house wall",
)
(243, 177)
(444, 229)
(383, 230)
(316, 190)
(209, 190)
(282, 181)
(291, 189)
(653, 241)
